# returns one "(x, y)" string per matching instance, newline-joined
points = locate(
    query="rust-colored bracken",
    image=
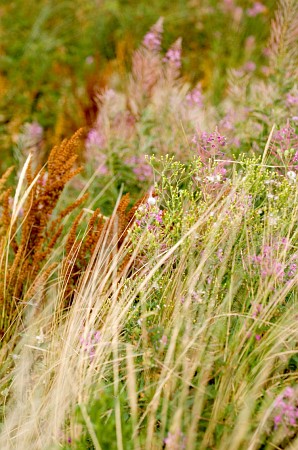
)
(27, 245)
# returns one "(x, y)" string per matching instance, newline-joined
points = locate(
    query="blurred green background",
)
(55, 55)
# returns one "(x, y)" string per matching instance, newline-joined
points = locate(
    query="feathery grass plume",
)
(108, 234)
(146, 68)
(31, 238)
(172, 60)
(283, 48)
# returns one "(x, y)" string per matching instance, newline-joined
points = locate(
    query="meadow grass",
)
(166, 318)
(190, 344)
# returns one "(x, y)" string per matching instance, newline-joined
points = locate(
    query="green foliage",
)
(101, 413)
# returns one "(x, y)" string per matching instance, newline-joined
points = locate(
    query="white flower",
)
(272, 219)
(41, 337)
(151, 201)
(291, 175)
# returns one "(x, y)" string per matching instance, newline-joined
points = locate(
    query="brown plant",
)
(29, 241)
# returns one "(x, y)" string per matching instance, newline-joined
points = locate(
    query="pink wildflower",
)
(195, 97)
(250, 66)
(89, 342)
(292, 99)
(173, 55)
(152, 40)
(94, 139)
(286, 409)
(141, 168)
(257, 8)
(32, 135)
(164, 340)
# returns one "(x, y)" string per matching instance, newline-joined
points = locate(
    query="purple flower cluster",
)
(152, 40)
(257, 8)
(284, 144)
(209, 145)
(229, 6)
(249, 66)
(227, 126)
(195, 97)
(269, 264)
(173, 55)
(151, 216)
(292, 100)
(141, 168)
(286, 409)
(212, 140)
(94, 140)
(32, 135)
(89, 343)
(257, 309)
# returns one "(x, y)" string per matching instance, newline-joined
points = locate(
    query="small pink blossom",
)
(286, 409)
(164, 340)
(94, 139)
(32, 135)
(266, 70)
(250, 66)
(257, 310)
(292, 99)
(89, 342)
(140, 167)
(195, 97)
(152, 40)
(257, 8)
(173, 55)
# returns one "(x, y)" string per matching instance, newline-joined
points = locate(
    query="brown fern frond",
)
(131, 213)
(68, 210)
(63, 156)
(121, 212)
(71, 238)
(92, 234)
(38, 233)
(12, 272)
(5, 216)
(42, 255)
(37, 287)
(5, 177)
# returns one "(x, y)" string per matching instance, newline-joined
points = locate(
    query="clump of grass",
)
(31, 227)
(167, 322)
(195, 344)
